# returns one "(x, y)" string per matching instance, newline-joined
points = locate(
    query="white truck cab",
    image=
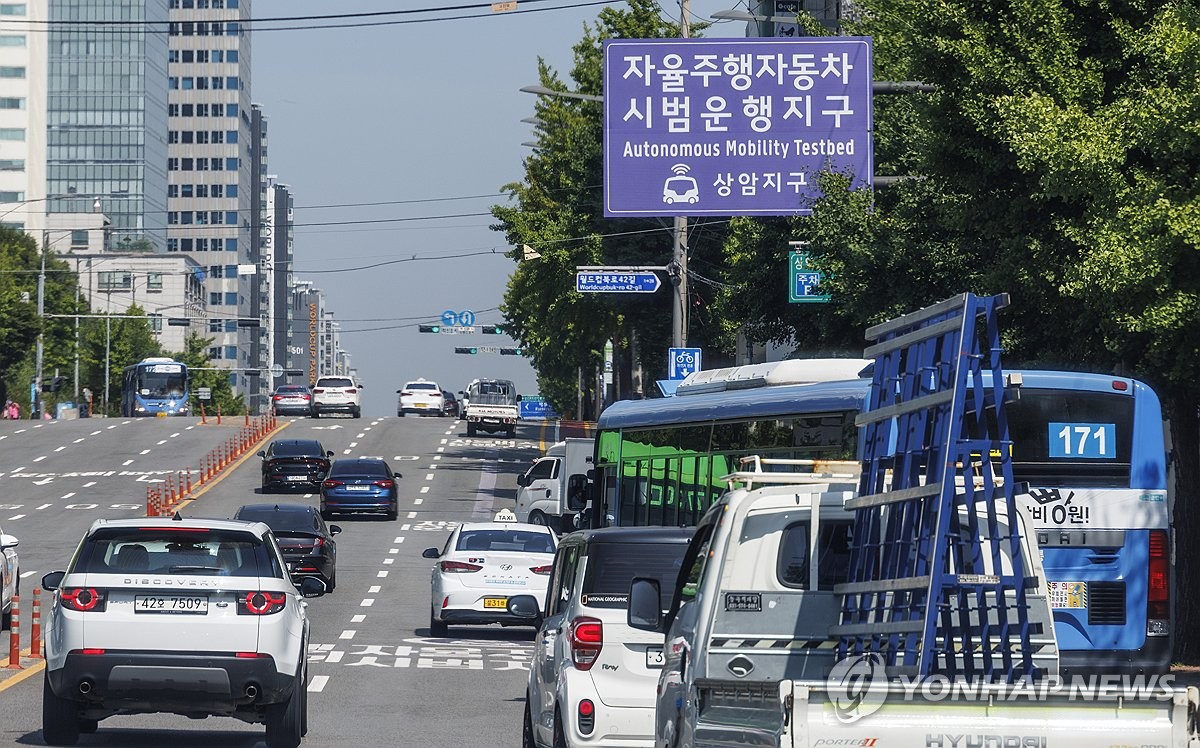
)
(554, 487)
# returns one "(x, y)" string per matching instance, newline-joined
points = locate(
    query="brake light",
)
(318, 391)
(260, 602)
(543, 570)
(306, 397)
(91, 652)
(249, 655)
(458, 567)
(1158, 597)
(330, 483)
(277, 397)
(385, 483)
(1119, 385)
(84, 599)
(350, 391)
(587, 639)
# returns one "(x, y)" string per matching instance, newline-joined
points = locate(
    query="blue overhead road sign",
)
(615, 282)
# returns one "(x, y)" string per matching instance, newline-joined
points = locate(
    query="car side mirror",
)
(360, 386)
(518, 398)
(523, 480)
(334, 529)
(577, 492)
(397, 475)
(645, 606)
(8, 541)
(53, 580)
(329, 453)
(525, 607)
(430, 553)
(311, 587)
(263, 454)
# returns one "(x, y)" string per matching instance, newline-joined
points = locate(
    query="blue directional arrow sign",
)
(615, 282)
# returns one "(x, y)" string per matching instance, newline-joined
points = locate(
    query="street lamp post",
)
(35, 399)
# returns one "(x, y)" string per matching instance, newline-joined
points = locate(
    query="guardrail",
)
(163, 497)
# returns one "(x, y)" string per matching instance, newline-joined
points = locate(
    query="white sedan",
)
(481, 565)
(10, 575)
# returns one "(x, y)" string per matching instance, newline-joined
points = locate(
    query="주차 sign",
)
(732, 126)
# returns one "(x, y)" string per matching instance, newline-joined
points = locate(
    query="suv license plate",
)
(495, 602)
(654, 657)
(195, 604)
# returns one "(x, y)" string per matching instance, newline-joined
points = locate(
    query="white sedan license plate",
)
(654, 657)
(196, 604)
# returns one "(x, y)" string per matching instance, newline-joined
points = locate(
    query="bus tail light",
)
(1158, 597)
(587, 640)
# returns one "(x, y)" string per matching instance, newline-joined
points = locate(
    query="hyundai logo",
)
(505, 567)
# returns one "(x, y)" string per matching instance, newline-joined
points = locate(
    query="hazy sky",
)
(424, 118)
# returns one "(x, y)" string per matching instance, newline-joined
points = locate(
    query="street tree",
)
(203, 373)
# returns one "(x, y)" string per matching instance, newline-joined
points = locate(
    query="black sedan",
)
(303, 537)
(450, 404)
(294, 463)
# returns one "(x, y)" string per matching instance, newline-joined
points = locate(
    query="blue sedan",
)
(361, 484)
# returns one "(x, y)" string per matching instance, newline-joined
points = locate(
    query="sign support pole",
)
(679, 316)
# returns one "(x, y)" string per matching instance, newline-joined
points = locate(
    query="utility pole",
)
(679, 311)
(35, 397)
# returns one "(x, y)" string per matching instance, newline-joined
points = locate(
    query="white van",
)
(554, 488)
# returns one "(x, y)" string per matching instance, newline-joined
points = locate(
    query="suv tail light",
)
(543, 570)
(1158, 598)
(458, 567)
(587, 639)
(84, 599)
(260, 602)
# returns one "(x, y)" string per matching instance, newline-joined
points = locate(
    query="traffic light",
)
(511, 352)
(54, 384)
(492, 330)
(248, 322)
(471, 351)
(429, 328)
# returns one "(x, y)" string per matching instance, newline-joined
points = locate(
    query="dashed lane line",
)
(358, 618)
(67, 495)
(316, 684)
(89, 484)
(418, 502)
(127, 462)
(367, 602)
(43, 506)
(39, 459)
(389, 561)
(374, 589)
(382, 573)
(15, 517)
(424, 489)
(347, 634)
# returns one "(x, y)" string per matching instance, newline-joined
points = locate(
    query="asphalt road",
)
(376, 677)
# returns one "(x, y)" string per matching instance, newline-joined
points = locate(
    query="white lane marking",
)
(316, 684)
(20, 431)
(400, 539)
(189, 428)
(113, 426)
(382, 574)
(335, 657)
(19, 469)
(172, 436)
(145, 452)
(97, 431)
(424, 489)
(418, 502)
(15, 517)
(373, 589)
(390, 550)
(436, 457)
(412, 515)
(353, 445)
(451, 431)
(59, 449)
(39, 459)
(68, 495)
(89, 484)
(428, 476)
(43, 506)
(368, 428)
(4, 437)
(441, 449)
(360, 436)
(28, 574)
(367, 602)
(78, 440)
(358, 618)
(308, 495)
(389, 560)
(445, 441)
(345, 451)
(127, 462)
(162, 442)
(347, 634)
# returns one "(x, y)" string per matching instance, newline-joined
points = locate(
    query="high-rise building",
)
(277, 249)
(22, 115)
(211, 195)
(105, 116)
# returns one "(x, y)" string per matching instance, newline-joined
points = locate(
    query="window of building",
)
(231, 164)
(187, 83)
(201, 136)
(173, 55)
(201, 83)
(231, 217)
(231, 246)
(217, 164)
(154, 282)
(202, 110)
(231, 55)
(231, 352)
(7, 196)
(79, 238)
(12, 9)
(201, 55)
(216, 136)
(231, 190)
(185, 217)
(202, 190)
(172, 164)
(12, 72)
(233, 28)
(215, 217)
(12, 133)
(172, 217)
(172, 136)
(201, 164)
(231, 82)
(214, 325)
(214, 298)
(173, 83)
(216, 271)
(155, 321)
(12, 164)
(172, 110)
(202, 217)
(231, 298)
(185, 136)
(214, 352)
(218, 55)
(185, 245)
(231, 271)
(231, 325)
(172, 190)
(12, 103)
(231, 110)
(108, 281)
(188, 110)
(12, 40)
(231, 136)
(172, 245)
(187, 164)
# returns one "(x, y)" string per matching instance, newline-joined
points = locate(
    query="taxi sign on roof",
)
(505, 515)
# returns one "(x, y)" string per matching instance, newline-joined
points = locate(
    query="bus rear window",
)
(1071, 438)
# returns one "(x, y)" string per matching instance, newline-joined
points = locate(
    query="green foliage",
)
(558, 210)
(202, 373)
(106, 347)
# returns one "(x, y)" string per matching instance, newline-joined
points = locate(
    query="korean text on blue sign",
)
(732, 126)
(1093, 441)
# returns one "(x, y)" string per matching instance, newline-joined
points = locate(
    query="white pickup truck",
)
(492, 406)
(750, 661)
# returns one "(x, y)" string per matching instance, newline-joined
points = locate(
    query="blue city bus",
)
(153, 386)
(1089, 447)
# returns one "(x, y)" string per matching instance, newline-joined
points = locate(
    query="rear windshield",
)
(420, 386)
(359, 467)
(280, 521)
(186, 552)
(611, 568)
(294, 449)
(291, 388)
(505, 540)
(335, 382)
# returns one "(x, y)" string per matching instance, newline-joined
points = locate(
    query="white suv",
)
(10, 576)
(594, 678)
(336, 395)
(195, 617)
